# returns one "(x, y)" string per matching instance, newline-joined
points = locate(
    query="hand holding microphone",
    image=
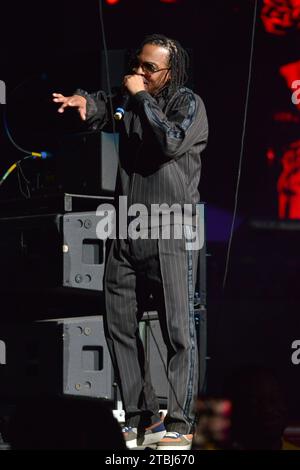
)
(121, 109)
(132, 85)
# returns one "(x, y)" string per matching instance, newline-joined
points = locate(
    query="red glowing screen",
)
(280, 18)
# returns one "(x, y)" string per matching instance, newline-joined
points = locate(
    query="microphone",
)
(121, 109)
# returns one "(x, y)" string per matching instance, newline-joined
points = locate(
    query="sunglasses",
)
(147, 67)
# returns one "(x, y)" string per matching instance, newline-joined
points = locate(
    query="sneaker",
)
(175, 441)
(130, 436)
(151, 435)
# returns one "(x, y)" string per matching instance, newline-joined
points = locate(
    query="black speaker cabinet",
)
(51, 250)
(67, 356)
(87, 162)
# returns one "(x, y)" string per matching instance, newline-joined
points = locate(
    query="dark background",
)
(56, 46)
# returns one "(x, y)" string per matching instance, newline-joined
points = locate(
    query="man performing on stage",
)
(162, 135)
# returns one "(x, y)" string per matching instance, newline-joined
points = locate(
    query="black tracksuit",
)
(160, 145)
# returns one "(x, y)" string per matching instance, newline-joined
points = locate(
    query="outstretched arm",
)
(92, 107)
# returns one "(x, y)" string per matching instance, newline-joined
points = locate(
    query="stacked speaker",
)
(51, 334)
(52, 339)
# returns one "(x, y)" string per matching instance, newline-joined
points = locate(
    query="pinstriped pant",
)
(135, 269)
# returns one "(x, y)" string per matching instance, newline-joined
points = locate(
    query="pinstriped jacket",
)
(160, 145)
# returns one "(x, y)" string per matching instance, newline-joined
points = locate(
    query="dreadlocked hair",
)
(178, 61)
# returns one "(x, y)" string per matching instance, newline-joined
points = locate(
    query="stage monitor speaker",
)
(83, 252)
(51, 250)
(87, 163)
(66, 356)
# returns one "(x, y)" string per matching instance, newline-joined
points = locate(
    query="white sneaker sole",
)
(149, 441)
(170, 447)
